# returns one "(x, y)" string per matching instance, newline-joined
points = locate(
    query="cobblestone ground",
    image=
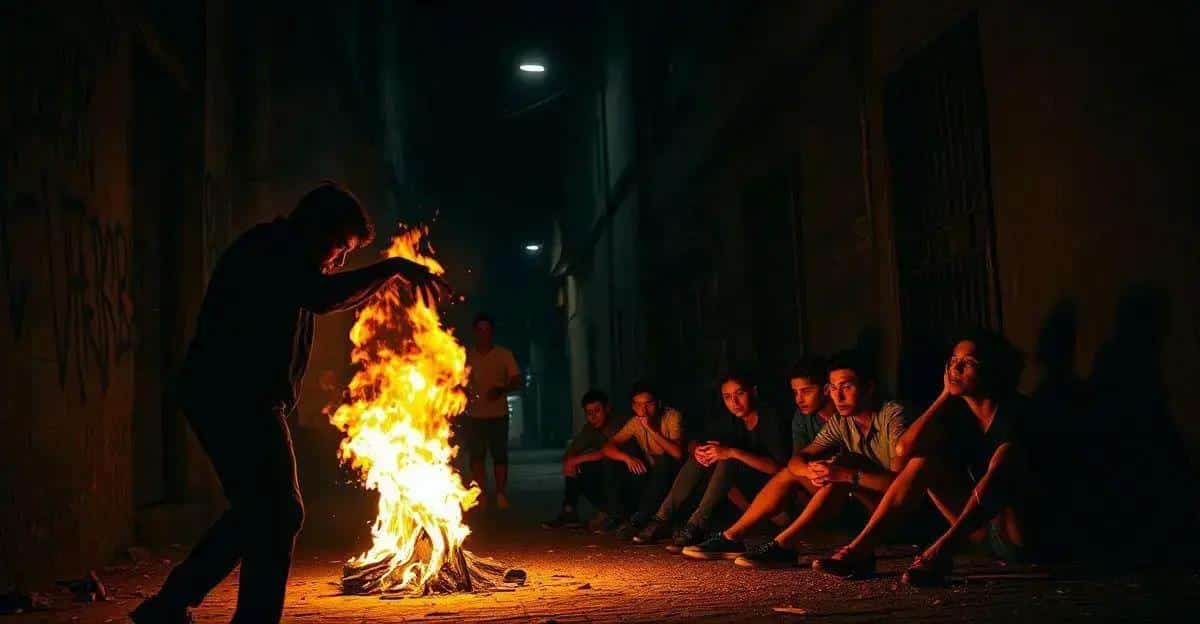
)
(579, 577)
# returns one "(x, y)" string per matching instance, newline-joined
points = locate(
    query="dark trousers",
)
(253, 456)
(716, 481)
(601, 482)
(650, 488)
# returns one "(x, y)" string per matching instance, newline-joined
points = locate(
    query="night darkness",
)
(897, 300)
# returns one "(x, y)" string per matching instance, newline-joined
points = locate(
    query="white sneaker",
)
(501, 501)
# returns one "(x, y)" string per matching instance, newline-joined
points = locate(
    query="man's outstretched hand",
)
(425, 285)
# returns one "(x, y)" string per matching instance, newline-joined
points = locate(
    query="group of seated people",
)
(650, 483)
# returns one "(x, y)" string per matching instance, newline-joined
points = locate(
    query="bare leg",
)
(765, 503)
(908, 486)
(825, 504)
(738, 499)
(501, 471)
(478, 474)
(973, 517)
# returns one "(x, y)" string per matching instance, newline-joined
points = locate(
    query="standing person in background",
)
(494, 374)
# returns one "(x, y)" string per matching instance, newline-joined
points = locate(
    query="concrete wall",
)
(68, 244)
(137, 146)
(1094, 207)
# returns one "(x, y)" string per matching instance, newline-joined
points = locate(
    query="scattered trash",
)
(86, 589)
(515, 576)
(1006, 575)
(138, 554)
(790, 610)
(585, 586)
(20, 602)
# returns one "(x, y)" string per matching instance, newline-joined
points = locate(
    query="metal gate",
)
(935, 123)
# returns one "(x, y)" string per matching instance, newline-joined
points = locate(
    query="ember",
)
(396, 418)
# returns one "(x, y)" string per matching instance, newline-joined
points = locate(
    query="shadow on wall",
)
(1114, 472)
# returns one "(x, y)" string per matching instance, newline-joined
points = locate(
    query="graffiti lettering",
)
(90, 264)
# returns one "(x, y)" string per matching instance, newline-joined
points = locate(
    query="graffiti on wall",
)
(91, 261)
(15, 274)
(57, 257)
(88, 263)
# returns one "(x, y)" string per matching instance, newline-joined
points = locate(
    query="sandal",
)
(928, 571)
(845, 565)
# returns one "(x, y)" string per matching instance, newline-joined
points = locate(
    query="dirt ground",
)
(579, 577)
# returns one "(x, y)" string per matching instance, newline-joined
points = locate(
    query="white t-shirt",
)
(489, 370)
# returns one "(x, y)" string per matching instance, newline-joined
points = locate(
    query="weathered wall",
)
(66, 324)
(1094, 205)
(1093, 196)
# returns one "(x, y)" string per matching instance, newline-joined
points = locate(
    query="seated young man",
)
(743, 452)
(659, 436)
(807, 380)
(852, 456)
(585, 468)
(969, 462)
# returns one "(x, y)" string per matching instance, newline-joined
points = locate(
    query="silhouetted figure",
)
(241, 379)
(1062, 405)
(1149, 504)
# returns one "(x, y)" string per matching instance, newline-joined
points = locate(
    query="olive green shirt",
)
(878, 444)
(670, 426)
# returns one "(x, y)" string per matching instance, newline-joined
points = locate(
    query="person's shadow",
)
(1113, 468)
(1151, 484)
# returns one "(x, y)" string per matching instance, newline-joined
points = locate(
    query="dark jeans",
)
(716, 480)
(650, 488)
(601, 482)
(251, 450)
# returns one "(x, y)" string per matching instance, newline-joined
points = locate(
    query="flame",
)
(396, 421)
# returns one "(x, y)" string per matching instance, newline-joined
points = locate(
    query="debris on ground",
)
(87, 588)
(790, 610)
(20, 602)
(515, 576)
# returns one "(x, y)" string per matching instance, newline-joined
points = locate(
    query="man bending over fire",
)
(253, 338)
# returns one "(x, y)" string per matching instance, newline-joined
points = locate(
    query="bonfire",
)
(396, 417)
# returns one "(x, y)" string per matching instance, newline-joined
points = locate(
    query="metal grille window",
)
(936, 131)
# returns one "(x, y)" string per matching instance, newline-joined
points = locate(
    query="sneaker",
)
(717, 546)
(603, 523)
(501, 502)
(768, 554)
(152, 611)
(564, 520)
(689, 535)
(654, 530)
(846, 565)
(628, 529)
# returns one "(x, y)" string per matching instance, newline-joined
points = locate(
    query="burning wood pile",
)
(396, 421)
